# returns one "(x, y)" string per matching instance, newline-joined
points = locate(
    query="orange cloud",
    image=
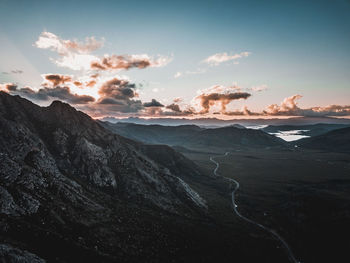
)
(57, 79)
(289, 107)
(219, 95)
(126, 62)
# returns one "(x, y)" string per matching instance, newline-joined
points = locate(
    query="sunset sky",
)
(179, 58)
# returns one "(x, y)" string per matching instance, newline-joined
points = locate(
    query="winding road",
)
(235, 209)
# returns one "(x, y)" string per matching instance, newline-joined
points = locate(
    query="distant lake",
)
(291, 135)
(256, 127)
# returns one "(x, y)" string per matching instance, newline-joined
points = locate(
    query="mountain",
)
(72, 190)
(231, 136)
(60, 140)
(193, 136)
(337, 141)
(153, 134)
(307, 130)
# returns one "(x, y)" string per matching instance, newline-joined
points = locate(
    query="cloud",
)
(176, 111)
(219, 58)
(8, 87)
(118, 95)
(44, 94)
(289, 107)
(63, 47)
(177, 100)
(76, 61)
(259, 88)
(117, 88)
(331, 110)
(112, 107)
(208, 100)
(170, 110)
(174, 107)
(243, 112)
(220, 89)
(178, 75)
(153, 103)
(125, 62)
(219, 95)
(153, 111)
(57, 79)
(14, 71)
(188, 72)
(77, 55)
(73, 54)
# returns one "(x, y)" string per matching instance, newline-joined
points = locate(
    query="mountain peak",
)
(60, 104)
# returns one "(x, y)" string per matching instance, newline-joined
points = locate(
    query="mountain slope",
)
(70, 190)
(231, 137)
(337, 140)
(64, 141)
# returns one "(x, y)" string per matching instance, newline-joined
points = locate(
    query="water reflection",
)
(292, 135)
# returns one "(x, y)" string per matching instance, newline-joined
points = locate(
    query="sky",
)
(179, 58)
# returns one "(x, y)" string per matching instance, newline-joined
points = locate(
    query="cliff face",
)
(59, 168)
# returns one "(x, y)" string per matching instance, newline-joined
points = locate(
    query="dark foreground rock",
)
(13, 255)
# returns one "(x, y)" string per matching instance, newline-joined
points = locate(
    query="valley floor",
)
(302, 195)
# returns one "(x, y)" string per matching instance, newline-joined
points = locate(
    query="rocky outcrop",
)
(10, 254)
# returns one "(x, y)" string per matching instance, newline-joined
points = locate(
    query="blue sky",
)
(296, 47)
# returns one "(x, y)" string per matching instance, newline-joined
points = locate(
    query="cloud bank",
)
(289, 107)
(77, 55)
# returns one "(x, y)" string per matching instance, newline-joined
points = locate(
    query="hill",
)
(337, 141)
(191, 136)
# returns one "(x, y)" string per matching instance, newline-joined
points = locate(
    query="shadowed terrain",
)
(336, 141)
(71, 190)
(299, 192)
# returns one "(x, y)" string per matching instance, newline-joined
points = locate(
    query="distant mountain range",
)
(219, 122)
(193, 136)
(186, 137)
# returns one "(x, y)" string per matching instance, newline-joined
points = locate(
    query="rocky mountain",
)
(192, 136)
(66, 183)
(337, 140)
